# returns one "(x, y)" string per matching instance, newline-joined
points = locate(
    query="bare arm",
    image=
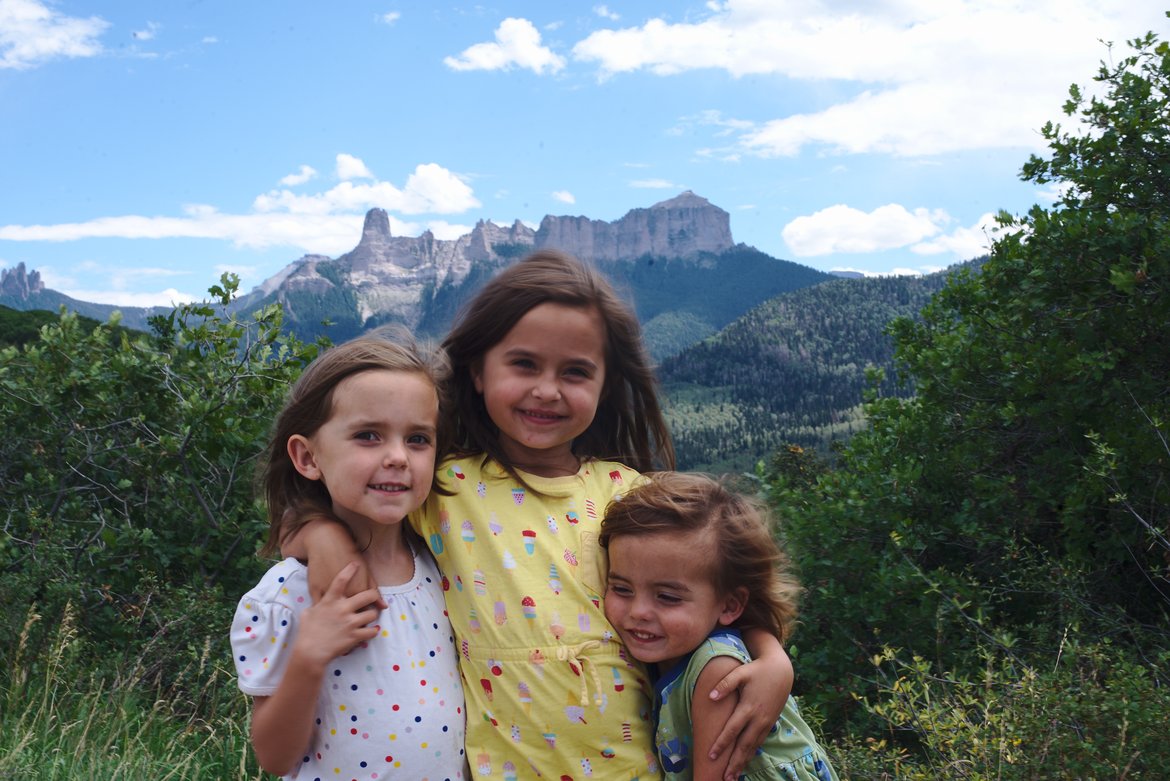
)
(282, 724)
(326, 547)
(708, 718)
(763, 686)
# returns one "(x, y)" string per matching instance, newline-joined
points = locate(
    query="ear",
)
(477, 376)
(300, 451)
(733, 606)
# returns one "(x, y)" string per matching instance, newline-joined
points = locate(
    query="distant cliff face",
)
(389, 278)
(678, 228)
(421, 282)
(18, 284)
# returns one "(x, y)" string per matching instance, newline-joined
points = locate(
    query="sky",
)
(146, 148)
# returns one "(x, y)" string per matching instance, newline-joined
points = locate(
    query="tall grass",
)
(65, 717)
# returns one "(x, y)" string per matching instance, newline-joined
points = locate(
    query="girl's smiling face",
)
(541, 385)
(376, 452)
(660, 597)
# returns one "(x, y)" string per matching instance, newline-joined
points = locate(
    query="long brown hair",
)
(628, 427)
(745, 553)
(293, 500)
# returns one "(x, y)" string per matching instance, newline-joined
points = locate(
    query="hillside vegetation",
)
(986, 562)
(794, 369)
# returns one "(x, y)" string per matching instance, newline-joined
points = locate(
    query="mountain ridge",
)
(675, 261)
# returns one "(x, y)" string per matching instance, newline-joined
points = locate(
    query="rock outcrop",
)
(681, 227)
(19, 284)
(390, 277)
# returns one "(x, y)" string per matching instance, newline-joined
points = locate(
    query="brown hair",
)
(745, 555)
(293, 500)
(628, 427)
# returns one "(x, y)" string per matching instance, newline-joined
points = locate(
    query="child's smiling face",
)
(660, 597)
(376, 452)
(541, 385)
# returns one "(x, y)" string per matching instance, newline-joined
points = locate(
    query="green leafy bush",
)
(1094, 713)
(1018, 507)
(126, 478)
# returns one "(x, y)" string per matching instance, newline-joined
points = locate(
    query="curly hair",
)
(745, 552)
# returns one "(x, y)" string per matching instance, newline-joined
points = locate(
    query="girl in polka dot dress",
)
(366, 686)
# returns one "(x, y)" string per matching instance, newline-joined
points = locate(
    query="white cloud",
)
(324, 222)
(564, 196)
(842, 228)
(447, 231)
(118, 281)
(517, 44)
(169, 297)
(147, 34)
(432, 188)
(894, 272)
(390, 18)
(963, 243)
(914, 78)
(604, 12)
(306, 173)
(350, 167)
(32, 34)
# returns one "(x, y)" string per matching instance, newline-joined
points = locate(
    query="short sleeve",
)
(261, 635)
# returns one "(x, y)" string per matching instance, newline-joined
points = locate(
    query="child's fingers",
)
(740, 718)
(740, 754)
(730, 682)
(363, 605)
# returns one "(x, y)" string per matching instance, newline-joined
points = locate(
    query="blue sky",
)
(147, 147)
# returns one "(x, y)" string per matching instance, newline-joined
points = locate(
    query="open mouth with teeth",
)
(642, 637)
(388, 487)
(540, 415)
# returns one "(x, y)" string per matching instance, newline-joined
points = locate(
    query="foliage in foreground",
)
(126, 487)
(64, 720)
(988, 565)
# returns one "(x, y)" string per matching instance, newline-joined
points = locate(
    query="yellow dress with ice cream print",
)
(550, 690)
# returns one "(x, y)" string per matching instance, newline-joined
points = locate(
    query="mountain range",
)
(753, 351)
(675, 262)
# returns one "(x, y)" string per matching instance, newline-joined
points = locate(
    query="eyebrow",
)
(428, 428)
(669, 584)
(522, 352)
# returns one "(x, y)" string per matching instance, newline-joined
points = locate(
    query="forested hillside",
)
(794, 369)
(681, 302)
(19, 327)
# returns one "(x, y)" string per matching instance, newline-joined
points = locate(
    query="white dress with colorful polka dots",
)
(392, 707)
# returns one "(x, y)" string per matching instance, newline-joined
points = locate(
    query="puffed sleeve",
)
(262, 634)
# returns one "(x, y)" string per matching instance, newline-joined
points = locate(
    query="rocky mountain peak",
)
(681, 227)
(376, 240)
(684, 200)
(376, 227)
(18, 283)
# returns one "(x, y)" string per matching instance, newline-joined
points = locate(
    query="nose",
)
(640, 608)
(395, 454)
(546, 388)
